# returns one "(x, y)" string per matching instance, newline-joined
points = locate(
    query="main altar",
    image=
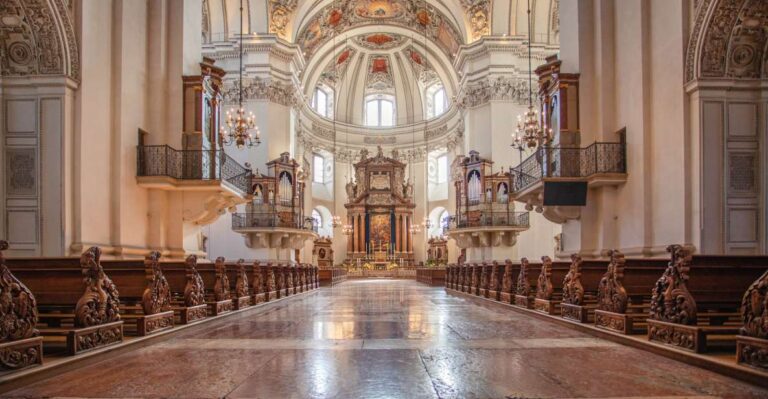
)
(380, 210)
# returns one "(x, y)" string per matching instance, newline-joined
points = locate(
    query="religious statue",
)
(408, 189)
(379, 152)
(351, 190)
(363, 154)
(395, 154)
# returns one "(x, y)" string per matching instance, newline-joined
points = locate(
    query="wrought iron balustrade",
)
(163, 160)
(246, 220)
(488, 219)
(569, 162)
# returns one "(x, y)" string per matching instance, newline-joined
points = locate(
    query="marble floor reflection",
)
(386, 339)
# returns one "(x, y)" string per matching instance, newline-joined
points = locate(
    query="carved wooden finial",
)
(221, 286)
(544, 288)
(18, 307)
(523, 286)
(494, 284)
(194, 290)
(754, 309)
(241, 284)
(670, 300)
(573, 291)
(100, 303)
(507, 284)
(258, 278)
(271, 278)
(157, 294)
(611, 295)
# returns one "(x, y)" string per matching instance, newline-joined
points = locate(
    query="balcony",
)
(274, 228)
(554, 180)
(477, 228)
(211, 180)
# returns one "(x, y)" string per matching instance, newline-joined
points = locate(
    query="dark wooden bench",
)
(20, 341)
(752, 341)
(701, 312)
(240, 287)
(526, 283)
(330, 277)
(78, 303)
(549, 286)
(218, 296)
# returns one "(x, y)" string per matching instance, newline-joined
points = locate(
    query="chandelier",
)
(241, 128)
(427, 223)
(336, 221)
(529, 130)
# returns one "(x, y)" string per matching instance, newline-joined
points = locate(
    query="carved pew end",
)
(577, 313)
(191, 314)
(242, 302)
(693, 338)
(217, 308)
(752, 352)
(153, 323)
(524, 301)
(20, 354)
(623, 323)
(546, 306)
(86, 339)
(506, 297)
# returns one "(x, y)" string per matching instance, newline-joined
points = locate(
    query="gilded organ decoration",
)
(380, 210)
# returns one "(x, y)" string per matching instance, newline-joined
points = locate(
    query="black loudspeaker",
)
(565, 193)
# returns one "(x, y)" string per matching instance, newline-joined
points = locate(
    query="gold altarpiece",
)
(380, 210)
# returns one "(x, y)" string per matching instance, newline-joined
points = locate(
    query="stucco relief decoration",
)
(436, 132)
(280, 16)
(206, 22)
(379, 78)
(379, 41)
(342, 15)
(715, 45)
(422, 68)
(37, 38)
(500, 88)
(337, 67)
(22, 171)
(261, 89)
(747, 43)
(478, 15)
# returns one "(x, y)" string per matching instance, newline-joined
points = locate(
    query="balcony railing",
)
(569, 162)
(270, 220)
(162, 160)
(488, 219)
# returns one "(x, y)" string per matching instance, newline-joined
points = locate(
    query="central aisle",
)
(386, 338)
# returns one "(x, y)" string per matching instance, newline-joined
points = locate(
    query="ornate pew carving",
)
(507, 283)
(195, 307)
(752, 344)
(544, 288)
(673, 306)
(156, 299)
(20, 343)
(523, 290)
(97, 312)
(612, 298)
(474, 286)
(572, 306)
(494, 283)
(222, 302)
(242, 290)
(259, 290)
(272, 290)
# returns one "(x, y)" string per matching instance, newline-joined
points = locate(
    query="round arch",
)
(324, 225)
(438, 217)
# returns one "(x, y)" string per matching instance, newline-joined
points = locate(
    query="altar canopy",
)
(380, 209)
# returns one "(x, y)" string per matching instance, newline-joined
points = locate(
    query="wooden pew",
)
(20, 341)
(218, 296)
(752, 342)
(495, 281)
(78, 302)
(700, 313)
(508, 282)
(526, 284)
(240, 287)
(330, 277)
(580, 289)
(259, 277)
(549, 286)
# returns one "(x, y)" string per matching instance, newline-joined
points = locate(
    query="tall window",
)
(437, 102)
(379, 111)
(317, 218)
(318, 163)
(442, 168)
(322, 101)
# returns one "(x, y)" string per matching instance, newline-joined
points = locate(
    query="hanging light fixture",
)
(241, 128)
(335, 219)
(529, 131)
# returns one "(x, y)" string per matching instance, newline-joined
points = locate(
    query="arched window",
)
(439, 217)
(318, 218)
(322, 101)
(379, 110)
(318, 168)
(437, 101)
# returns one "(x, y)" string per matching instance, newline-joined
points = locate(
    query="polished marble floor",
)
(386, 339)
